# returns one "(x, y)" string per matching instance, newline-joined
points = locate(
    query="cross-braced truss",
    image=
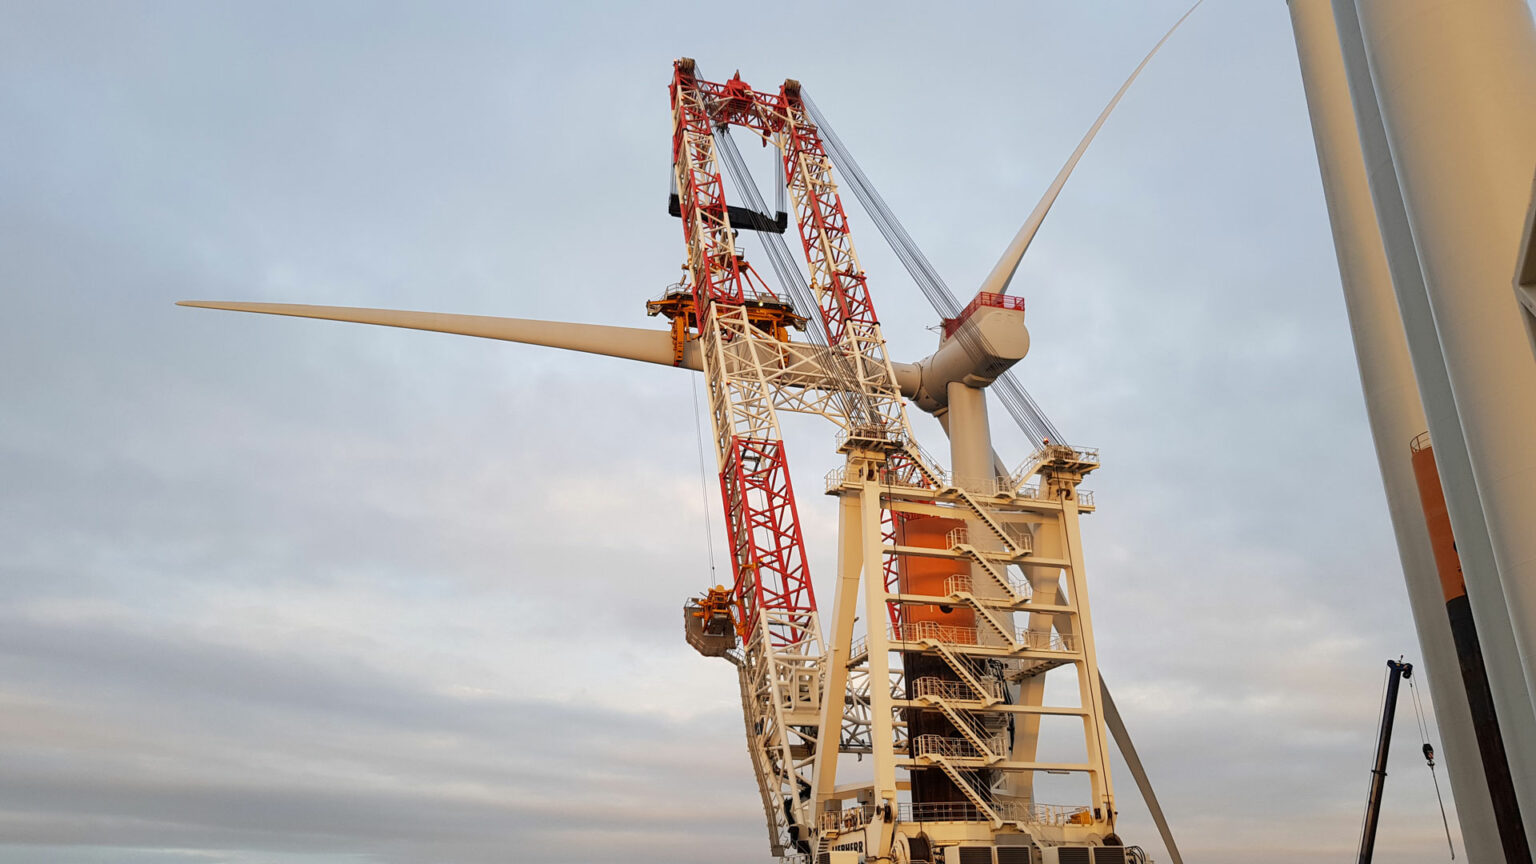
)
(942, 686)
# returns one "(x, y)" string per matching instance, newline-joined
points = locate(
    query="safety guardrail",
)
(856, 817)
(990, 487)
(1084, 456)
(958, 748)
(956, 635)
(1018, 535)
(836, 477)
(985, 298)
(1420, 442)
(850, 819)
(948, 634)
(874, 434)
(1008, 811)
(961, 583)
(953, 691)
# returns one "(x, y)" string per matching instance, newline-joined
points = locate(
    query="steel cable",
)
(1025, 412)
(851, 399)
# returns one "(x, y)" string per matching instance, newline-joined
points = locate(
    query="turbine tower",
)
(958, 592)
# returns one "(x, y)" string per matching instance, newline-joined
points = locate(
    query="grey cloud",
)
(281, 591)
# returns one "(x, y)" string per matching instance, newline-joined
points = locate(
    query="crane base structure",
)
(948, 570)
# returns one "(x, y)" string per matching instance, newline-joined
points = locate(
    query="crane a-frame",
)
(969, 583)
(944, 685)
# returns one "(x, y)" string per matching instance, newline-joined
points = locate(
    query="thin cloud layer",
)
(303, 593)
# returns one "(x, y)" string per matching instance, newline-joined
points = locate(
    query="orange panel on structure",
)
(930, 576)
(1438, 521)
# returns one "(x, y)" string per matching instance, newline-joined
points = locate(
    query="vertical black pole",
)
(1396, 672)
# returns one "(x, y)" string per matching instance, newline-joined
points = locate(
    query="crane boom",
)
(938, 686)
(779, 669)
(942, 685)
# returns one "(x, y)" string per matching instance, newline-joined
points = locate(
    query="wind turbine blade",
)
(1122, 737)
(630, 343)
(997, 281)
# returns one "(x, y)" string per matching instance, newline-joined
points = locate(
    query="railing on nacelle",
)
(985, 298)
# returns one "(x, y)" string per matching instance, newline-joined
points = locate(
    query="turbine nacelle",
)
(978, 346)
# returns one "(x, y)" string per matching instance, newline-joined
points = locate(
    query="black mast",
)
(1396, 672)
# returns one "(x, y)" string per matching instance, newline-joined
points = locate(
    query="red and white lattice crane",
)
(969, 582)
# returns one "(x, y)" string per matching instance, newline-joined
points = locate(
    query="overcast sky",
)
(306, 593)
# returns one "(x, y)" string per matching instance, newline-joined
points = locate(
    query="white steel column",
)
(970, 437)
(881, 728)
(844, 610)
(1090, 692)
(1456, 83)
(1391, 401)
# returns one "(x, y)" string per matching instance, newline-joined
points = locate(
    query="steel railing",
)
(953, 634)
(1008, 811)
(1020, 537)
(956, 635)
(850, 819)
(948, 634)
(958, 748)
(873, 434)
(985, 298)
(990, 487)
(961, 583)
(856, 817)
(1420, 442)
(1055, 453)
(953, 691)
(835, 478)
(1047, 641)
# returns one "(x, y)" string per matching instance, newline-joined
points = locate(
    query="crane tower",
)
(971, 585)
(912, 726)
